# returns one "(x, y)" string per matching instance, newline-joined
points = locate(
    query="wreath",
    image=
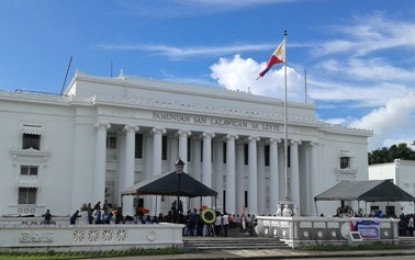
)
(208, 216)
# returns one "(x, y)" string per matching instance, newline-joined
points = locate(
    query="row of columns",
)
(234, 184)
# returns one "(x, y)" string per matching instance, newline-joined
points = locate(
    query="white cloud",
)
(241, 74)
(370, 34)
(174, 52)
(368, 94)
(335, 121)
(175, 8)
(380, 80)
(394, 121)
(369, 69)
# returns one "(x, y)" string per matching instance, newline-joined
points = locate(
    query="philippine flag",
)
(278, 56)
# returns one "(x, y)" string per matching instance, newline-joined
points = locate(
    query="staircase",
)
(407, 242)
(231, 243)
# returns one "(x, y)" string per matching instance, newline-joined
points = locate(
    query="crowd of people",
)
(196, 225)
(194, 222)
(406, 225)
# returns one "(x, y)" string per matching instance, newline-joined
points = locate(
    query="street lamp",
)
(179, 170)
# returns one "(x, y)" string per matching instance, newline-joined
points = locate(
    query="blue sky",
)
(359, 55)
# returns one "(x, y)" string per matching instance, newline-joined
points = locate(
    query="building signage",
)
(216, 121)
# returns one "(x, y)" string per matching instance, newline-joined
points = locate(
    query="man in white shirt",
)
(225, 221)
(411, 225)
(218, 223)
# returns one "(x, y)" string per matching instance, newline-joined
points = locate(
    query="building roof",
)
(370, 191)
(168, 184)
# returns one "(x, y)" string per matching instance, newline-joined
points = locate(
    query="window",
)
(139, 146)
(27, 195)
(164, 147)
(344, 162)
(28, 170)
(390, 211)
(31, 141)
(111, 142)
(246, 154)
(267, 158)
(189, 150)
(246, 199)
(224, 153)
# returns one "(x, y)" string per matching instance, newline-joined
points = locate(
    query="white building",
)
(402, 173)
(105, 134)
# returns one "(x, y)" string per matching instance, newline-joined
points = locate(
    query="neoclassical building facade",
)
(60, 152)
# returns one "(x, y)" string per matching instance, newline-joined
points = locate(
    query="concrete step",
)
(408, 242)
(229, 243)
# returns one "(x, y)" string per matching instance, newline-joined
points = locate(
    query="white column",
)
(121, 166)
(148, 165)
(274, 197)
(252, 176)
(173, 151)
(313, 175)
(183, 135)
(230, 173)
(295, 175)
(100, 162)
(129, 167)
(261, 180)
(218, 175)
(196, 158)
(240, 177)
(207, 165)
(157, 163)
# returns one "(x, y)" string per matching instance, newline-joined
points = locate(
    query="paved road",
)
(409, 257)
(282, 254)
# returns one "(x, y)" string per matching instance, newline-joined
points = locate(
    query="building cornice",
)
(184, 88)
(338, 129)
(156, 105)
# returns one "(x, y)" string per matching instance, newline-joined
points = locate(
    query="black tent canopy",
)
(369, 191)
(168, 184)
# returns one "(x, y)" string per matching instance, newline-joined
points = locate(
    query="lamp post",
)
(179, 170)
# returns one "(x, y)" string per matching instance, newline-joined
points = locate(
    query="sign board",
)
(355, 236)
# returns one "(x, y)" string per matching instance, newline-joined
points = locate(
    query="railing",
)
(308, 231)
(29, 234)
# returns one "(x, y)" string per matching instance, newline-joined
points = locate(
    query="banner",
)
(369, 229)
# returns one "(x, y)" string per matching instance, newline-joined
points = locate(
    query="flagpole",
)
(285, 120)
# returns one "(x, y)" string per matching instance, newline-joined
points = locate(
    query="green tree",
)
(384, 155)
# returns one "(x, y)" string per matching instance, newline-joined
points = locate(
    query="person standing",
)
(99, 217)
(48, 218)
(74, 217)
(411, 225)
(193, 219)
(200, 224)
(90, 217)
(225, 220)
(218, 223)
(118, 216)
